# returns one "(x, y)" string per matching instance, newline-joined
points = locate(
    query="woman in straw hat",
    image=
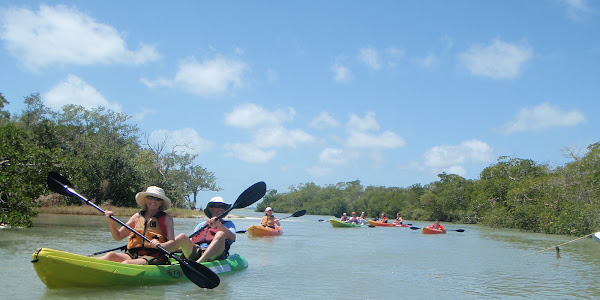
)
(212, 242)
(153, 222)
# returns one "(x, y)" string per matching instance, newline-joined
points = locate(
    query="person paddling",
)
(363, 218)
(383, 218)
(436, 225)
(344, 218)
(269, 220)
(153, 222)
(398, 219)
(212, 242)
(354, 219)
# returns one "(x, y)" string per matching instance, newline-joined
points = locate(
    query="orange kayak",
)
(427, 230)
(376, 223)
(264, 231)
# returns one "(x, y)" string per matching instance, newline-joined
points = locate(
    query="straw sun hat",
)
(156, 192)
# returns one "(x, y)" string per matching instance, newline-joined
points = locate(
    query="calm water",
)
(313, 260)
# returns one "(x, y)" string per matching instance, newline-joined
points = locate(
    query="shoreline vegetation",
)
(119, 211)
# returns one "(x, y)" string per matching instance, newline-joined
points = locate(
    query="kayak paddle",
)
(299, 213)
(109, 250)
(195, 272)
(457, 230)
(246, 198)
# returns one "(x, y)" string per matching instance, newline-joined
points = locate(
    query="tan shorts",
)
(197, 252)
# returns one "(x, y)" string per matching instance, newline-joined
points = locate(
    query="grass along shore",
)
(119, 211)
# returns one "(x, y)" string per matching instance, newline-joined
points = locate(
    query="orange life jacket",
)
(268, 221)
(153, 228)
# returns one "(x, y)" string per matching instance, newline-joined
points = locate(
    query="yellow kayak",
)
(258, 230)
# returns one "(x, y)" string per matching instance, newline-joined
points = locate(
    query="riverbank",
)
(119, 211)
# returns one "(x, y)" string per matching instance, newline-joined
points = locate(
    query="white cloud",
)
(425, 62)
(74, 90)
(185, 140)
(61, 35)
(341, 73)
(370, 57)
(452, 158)
(250, 115)
(362, 134)
(249, 153)
(266, 130)
(318, 171)
(368, 123)
(279, 137)
(499, 60)
(541, 117)
(208, 78)
(385, 140)
(333, 156)
(576, 9)
(396, 52)
(324, 120)
(141, 115)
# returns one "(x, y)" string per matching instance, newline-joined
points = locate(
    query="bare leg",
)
(215, 248)
(181, 241)
(137, 261)
(113, 256)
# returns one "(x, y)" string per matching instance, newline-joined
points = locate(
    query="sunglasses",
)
(223, 206)
(154, 198)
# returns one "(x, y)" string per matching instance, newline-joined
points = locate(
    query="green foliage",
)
(23, 169)
(96, 149)
(513, 193)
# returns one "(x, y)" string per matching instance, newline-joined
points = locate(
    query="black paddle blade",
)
(459, 230)
(251, 195)
(415, 228)
(57, 183)
(299, 213)
(199, 274)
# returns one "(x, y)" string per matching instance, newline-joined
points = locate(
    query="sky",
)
(391, 93)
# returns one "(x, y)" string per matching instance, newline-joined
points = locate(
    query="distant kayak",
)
(377, 223)
(258, 230)
(337, 223)
(596, 236)
(427, 230)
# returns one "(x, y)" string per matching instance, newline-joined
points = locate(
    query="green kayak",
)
(58, 269)
(338, 223)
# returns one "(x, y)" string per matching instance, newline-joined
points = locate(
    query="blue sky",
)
(391, 93)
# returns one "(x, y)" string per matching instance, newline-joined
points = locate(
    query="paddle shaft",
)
(109, 250)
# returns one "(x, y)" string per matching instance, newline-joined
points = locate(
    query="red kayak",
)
(376, 223)
(427, 230)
